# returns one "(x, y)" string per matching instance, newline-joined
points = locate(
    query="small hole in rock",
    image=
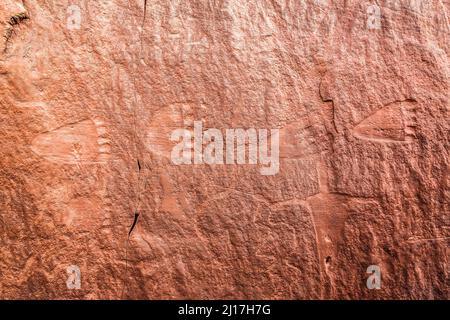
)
(328, 260)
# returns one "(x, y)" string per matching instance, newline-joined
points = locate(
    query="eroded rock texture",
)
(89, 98)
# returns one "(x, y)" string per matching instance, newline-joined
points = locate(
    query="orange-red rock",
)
(91, 93)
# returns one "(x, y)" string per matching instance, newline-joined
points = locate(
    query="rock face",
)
(91, 94)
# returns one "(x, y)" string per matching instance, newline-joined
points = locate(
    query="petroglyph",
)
(175, 116)
(302, 138)
(250, 17)
(395, 122)
(330, 212)
(172, 201)
(422, 240)
(83, 214)
(80, 143)
(180, 33)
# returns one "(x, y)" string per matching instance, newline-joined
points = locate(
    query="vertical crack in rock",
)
(139, 165)
(136, 217)
(145, 12)
(135, 220)
(325, 98)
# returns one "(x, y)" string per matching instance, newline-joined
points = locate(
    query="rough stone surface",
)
(363, 114)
